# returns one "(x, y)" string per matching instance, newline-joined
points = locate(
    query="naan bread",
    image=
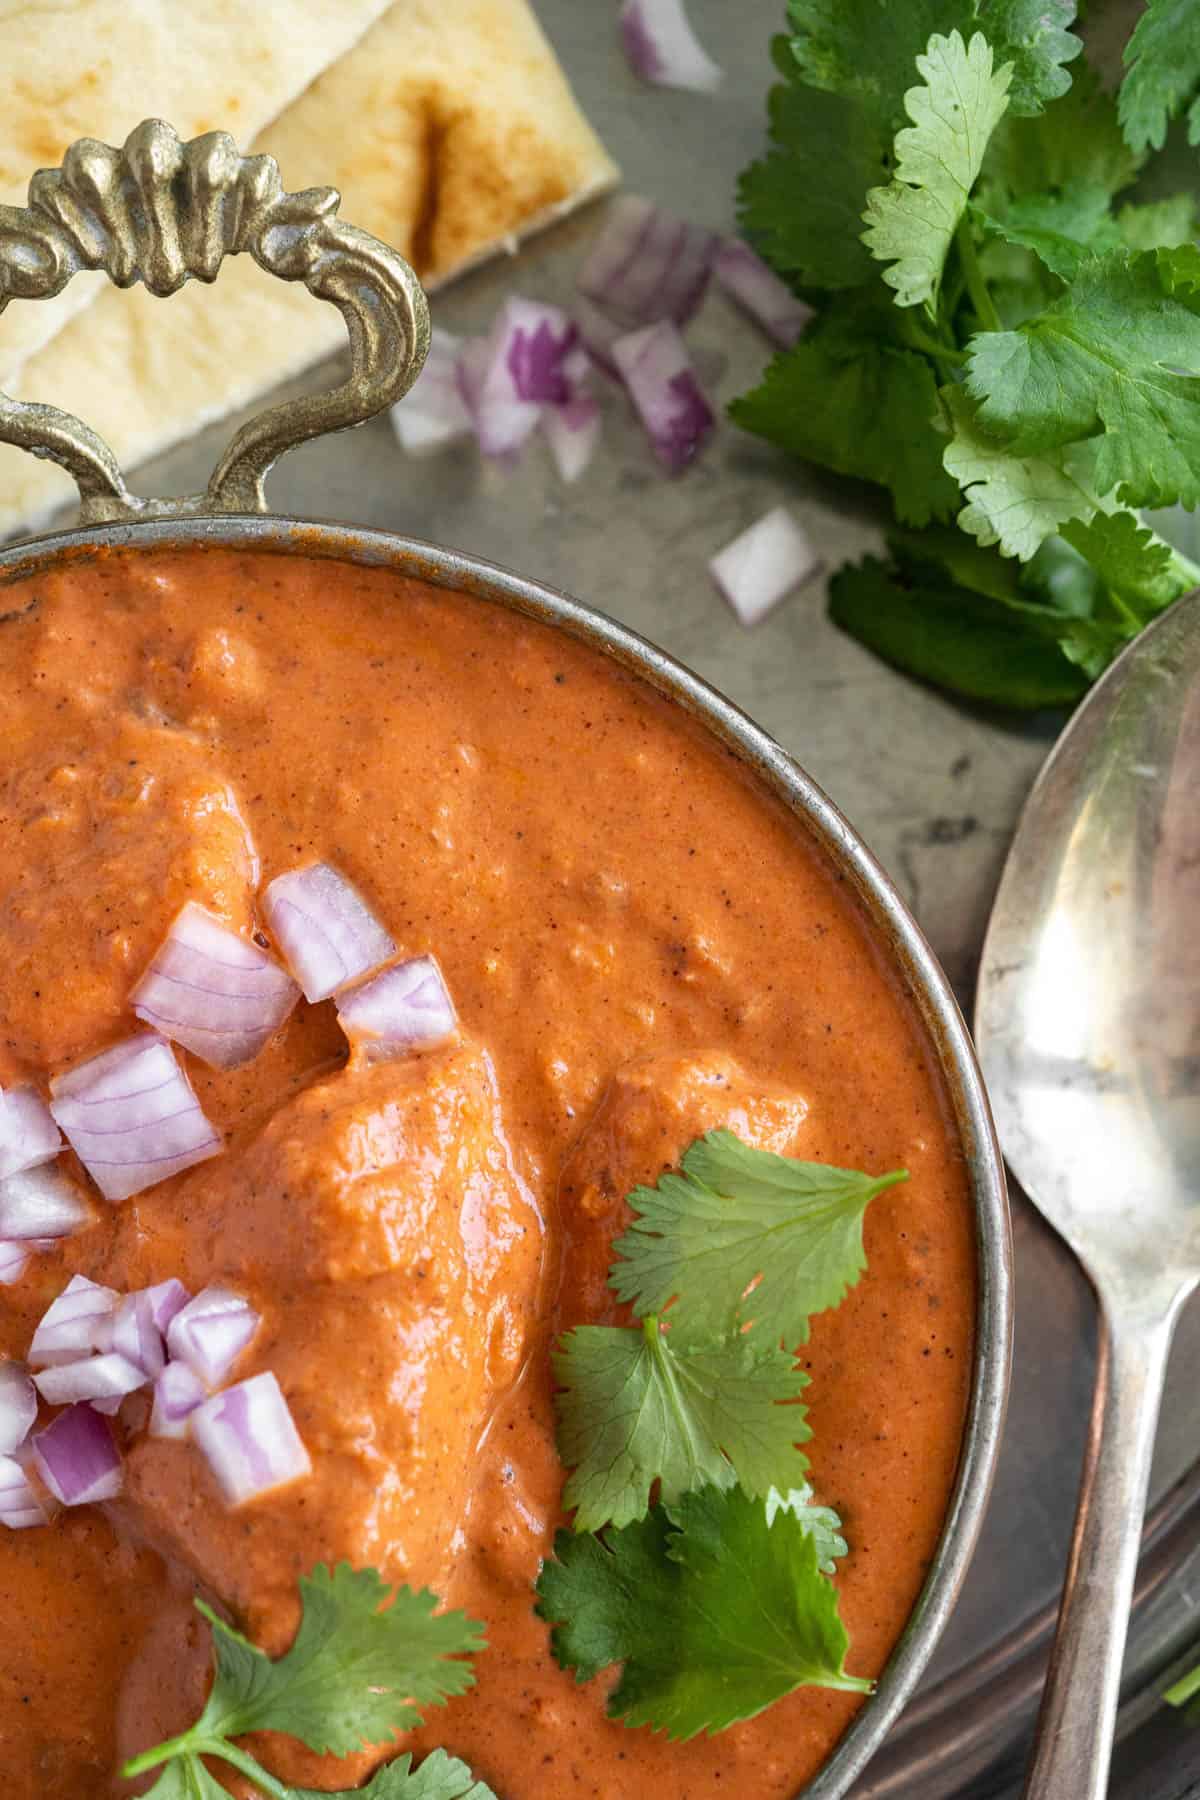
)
(97, 67)
(451, 132)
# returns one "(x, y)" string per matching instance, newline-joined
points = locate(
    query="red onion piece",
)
(214, 992)
(75, 1324)
(646, 265)
(14, 1259)
(18, 1406)
(328, 934)
(41, 1203)
(655, 368)
(758, 289)
(21, 1504)
(764, 563)
(178, 1391)
(77, 1459)
(433, 413)
(250, 1439)
(96, 1378)
(28, 1135)
(132, 1118)
(573, 434)
(135, 1336)
(662, 47)
(405, 1007)
(166, 1298)
(516, 371)
(211, 1331)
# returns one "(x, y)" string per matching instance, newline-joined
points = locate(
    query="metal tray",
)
(932, 786)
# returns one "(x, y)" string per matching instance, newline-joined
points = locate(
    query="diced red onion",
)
(573, 434)
(434, 413)
(166, 1298)
(211, 1331)
(764, 563)
(654, 365)
(214, 992)
(132, 1118)
(647, 265)
(328, 934)
(758, 289)
(517, 371)
(18, 1406)
(41, 1203)
(77, 1458)
(662, 47)
(110, 1404)
(14, 1259)
(28, 1135)
(22, 1506)
(75, 1324)
(250, 1439)
(98, 1378)
(405, 1007)
(178, 1391)
(135, 1336)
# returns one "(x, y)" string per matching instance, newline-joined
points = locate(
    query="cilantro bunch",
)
(1002, 338)
(716, 1598)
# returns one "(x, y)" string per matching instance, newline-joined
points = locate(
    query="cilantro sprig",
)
(715, 1599)
(713, 1613)
(358, 1672)
(1004, 339)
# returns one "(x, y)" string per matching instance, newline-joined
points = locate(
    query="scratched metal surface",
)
(934, 788)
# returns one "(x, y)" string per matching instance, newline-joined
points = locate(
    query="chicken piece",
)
(379, 1226)
(99, 848)
(650, 1114)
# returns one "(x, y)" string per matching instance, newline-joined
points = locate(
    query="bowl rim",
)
(889, 918)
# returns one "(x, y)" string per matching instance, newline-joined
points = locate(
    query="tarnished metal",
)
(162, 212)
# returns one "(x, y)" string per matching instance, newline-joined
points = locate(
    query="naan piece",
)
(451, 132)
(98, 67)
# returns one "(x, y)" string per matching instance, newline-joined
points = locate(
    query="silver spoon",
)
(1088, 1027)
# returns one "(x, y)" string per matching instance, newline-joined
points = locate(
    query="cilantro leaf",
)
(1080, 132)
(1034, 36)
(355, 1675)
(714, 1614)
(1062, 227)
(1159, 224)
(876, 401)
(634, 1409)
(1013, 501)
(1104, 359)
(828, 149)
(1162, 60)
(911, 223)
(866, 49)
(1130, 560)
(821, 1523)
(439, 1777)
(737, 1216)
(956, 637)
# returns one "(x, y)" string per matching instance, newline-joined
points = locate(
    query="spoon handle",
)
(1073, 1745)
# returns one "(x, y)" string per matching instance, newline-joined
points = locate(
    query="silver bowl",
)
(164, 230)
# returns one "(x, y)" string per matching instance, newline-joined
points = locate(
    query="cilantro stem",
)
(1184, 1689)
(161, 1753)
(921, 340)
(240, 1759)
(977, 287)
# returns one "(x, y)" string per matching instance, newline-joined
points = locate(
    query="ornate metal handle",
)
(160, 212)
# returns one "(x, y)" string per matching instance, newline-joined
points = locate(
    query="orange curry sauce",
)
(641, 945)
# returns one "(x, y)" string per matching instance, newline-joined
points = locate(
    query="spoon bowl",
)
(1088, 1028)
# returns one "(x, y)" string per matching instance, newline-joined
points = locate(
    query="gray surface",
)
(933, 787)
